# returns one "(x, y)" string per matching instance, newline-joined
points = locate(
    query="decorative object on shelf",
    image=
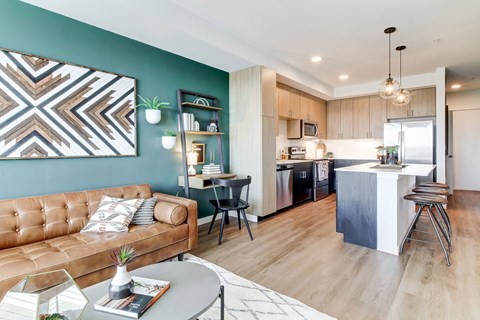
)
(390, 87)
(199, 148)
(169, 139)
(48, 295)
(404, 97)
(201, 101)
(153, 114)
(211, 169)
(37, 120)
(122, 283)
(212, 156)
(188, 121)
(192, 161)
(329, 155)
(212, 127)
(196, 126)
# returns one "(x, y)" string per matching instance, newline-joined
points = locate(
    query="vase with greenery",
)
(169, 139)
(392, 153)
(122, 283)
(153, 113)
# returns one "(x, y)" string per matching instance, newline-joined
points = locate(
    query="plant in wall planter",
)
(153, 114)
(169, 139)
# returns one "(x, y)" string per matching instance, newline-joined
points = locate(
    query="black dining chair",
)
(233, 203)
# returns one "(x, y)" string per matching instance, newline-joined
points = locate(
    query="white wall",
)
(440, 127)
(458, 101)
(463, 100)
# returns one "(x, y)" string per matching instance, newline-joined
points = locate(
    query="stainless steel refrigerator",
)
(416, 141)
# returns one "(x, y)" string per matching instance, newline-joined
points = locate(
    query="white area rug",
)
(247, 300)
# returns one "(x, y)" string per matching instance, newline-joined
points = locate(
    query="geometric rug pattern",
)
(54, 109)
(247, 300)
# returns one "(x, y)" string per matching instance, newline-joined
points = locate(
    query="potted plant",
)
(392, 151)
(122, 283)
(169, 139)
(153, 114)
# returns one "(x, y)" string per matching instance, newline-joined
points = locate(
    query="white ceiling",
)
(284, 34)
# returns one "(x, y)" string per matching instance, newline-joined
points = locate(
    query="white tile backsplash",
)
(342, 149)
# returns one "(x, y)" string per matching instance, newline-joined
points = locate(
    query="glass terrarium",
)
(45, 296)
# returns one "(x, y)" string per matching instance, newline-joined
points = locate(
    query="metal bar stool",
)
(437, 191)
(434, 185)
(428, 201)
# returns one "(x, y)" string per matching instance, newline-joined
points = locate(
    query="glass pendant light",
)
(403, 98)
(390, 87)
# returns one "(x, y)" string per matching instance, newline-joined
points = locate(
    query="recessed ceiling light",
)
(343, 77)
(316, 59)
(455, 86)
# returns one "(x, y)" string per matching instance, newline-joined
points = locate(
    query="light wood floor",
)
(298, 253)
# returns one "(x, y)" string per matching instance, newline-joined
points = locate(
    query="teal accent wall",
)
(36, 31)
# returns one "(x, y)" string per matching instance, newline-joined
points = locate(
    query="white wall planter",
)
(168, 141)
(153, 116)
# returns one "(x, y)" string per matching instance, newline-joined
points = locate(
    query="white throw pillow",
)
(113, 215)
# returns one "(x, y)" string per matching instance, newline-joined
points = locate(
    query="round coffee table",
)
(193, 290)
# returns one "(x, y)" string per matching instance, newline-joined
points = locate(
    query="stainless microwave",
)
(310, 130)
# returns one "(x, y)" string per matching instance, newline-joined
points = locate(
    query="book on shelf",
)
(146, 292)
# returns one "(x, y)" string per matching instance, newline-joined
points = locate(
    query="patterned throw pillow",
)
(113, 214)
(144, 214)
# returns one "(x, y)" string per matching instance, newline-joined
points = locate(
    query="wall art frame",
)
(55, 109)
(200, 149)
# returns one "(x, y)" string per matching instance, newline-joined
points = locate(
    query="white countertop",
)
(410, 170)
(290, 161)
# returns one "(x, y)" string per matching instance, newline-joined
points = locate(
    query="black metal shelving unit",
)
(182, 102)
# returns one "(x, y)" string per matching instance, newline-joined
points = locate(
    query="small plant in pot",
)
(169, 139)
(122, 283)
(153, 114)
(392, 153)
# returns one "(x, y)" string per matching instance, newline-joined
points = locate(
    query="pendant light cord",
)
(389, 55)
(400, 69)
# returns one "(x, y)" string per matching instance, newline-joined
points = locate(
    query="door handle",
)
(450, 156)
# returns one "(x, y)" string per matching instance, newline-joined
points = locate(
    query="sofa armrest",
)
(192, 215)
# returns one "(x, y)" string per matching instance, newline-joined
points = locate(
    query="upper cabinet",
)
(357, 118)
(378, 116)
(288, 102)
(340, 119)
(423, 104)
(361, 118)
(315, 110)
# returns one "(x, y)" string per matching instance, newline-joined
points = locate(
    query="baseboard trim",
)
(205, 220)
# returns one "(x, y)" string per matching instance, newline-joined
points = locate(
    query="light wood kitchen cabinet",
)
(361, 117)
(346, 118)
(321, 107)
(334, 111)
(252, 97)
(288, 102)
(378, 116)
(315, 110)
(423, 104)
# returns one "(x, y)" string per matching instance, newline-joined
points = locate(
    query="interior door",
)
(466, 171)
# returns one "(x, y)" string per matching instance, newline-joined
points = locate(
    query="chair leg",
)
(246, 224)
(213, 220)
(239, 223)
(222, 224)
(227, 219)
(432, 217)
(411, 227)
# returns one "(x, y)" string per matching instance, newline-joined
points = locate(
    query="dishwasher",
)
(284, 186)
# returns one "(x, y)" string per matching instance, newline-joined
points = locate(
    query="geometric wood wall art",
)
(53, 109)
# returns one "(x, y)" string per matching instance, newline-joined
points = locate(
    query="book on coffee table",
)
(146, 292)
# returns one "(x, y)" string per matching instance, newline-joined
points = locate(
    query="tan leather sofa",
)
(39, 234)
